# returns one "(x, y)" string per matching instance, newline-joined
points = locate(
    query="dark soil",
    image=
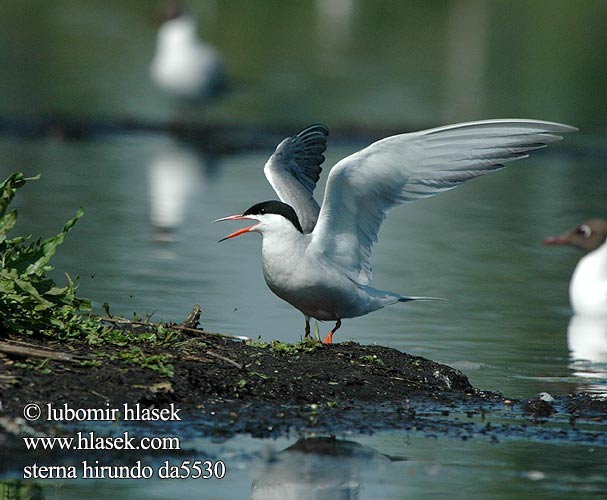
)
(213, 369)
(225, 387)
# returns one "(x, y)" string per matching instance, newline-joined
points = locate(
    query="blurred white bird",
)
(588, 286)
(318, 260)
(183, 64)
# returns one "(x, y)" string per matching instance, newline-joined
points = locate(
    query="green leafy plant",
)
(30, 302)
(158, 362)
(372, 359)
(306, 345)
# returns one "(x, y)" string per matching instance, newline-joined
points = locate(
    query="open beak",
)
(240, 231)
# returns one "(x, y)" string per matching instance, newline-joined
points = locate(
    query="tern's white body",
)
(298, 273)
(588, 287)
(317, 258)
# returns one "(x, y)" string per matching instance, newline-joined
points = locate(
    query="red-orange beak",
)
(557, 240)
(240, 231)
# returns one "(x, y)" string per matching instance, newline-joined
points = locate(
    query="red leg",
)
(329, 337)
(307, 330)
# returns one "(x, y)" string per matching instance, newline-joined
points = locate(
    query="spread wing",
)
(364, 186)
(294, 169)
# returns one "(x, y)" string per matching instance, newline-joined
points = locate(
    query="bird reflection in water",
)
(176, 174)
(317, 468)
(587, 341)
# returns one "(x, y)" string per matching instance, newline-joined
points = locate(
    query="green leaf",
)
(9, 187)
(35, 262)
(7, 222)
(27, 287)
(30, 302)
(56, 291)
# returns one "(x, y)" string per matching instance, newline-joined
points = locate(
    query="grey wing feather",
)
(294, 169)
(363, 187)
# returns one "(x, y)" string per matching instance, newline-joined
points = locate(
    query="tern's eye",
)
(584, 231)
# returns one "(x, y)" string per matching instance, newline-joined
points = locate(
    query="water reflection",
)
(587, 339)
(317, 468)
(14, 489)
(175, 175)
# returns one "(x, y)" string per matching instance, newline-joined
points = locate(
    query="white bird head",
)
(271, 216)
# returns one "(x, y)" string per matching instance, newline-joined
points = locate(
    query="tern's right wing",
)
(364, 186)
(294, 169)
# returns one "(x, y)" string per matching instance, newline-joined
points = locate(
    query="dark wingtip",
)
(314, 129)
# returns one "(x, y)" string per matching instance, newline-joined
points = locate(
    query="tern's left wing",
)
(363, 187)
(294, 169)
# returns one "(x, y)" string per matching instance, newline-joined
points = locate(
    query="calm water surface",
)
(383, 466)
(479, 246)
(505, 324)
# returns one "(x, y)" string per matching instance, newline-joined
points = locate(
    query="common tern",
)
(318, 258)
(588, 286)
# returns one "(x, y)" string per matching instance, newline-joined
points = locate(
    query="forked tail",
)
(408, 299)
(387, 298)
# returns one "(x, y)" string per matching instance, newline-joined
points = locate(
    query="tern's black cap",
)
(275, 207)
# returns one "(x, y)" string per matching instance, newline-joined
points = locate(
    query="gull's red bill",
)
(556, 240)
